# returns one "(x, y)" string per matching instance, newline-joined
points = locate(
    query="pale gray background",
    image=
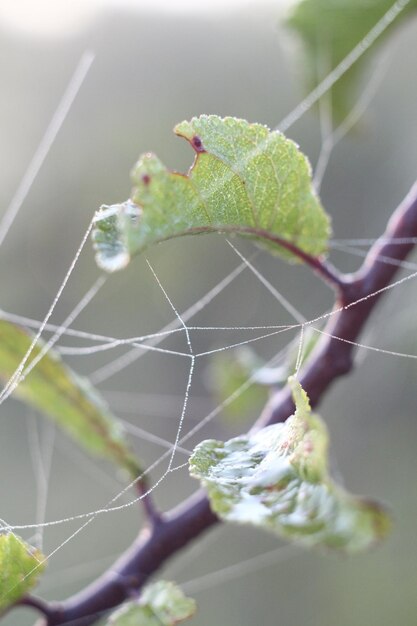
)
(150, 72)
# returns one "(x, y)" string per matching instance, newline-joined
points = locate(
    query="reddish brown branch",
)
(332, 358)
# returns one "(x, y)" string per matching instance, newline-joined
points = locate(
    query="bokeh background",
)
(154, 66)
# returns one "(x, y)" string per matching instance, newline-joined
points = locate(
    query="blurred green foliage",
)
(330, 30)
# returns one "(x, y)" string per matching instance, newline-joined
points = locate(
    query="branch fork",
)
(356, 297)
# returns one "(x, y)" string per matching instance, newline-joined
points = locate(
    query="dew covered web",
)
(173, 451)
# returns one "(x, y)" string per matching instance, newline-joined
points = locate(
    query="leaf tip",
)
(300, 397)
(161, 603)
(20, 567)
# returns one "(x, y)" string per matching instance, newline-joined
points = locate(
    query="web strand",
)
(238, 570)
(330, 138)
(83, 303)
(208, 418)
(17, 375)
(46, 142)
(326, 84)
(180, 322)
(116, 366)
(190, 373)
(277, 295)
(41, 448)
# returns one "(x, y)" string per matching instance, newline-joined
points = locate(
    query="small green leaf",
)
(55, 390)
(309, 339)
(161, 604)
(20, 568)
(329, 30)
(230, 370)
(277, 479)
(245, 180)
(233, 368)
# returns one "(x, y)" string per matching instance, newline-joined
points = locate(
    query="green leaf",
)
(278, 479)
(20, 568)
(245, 180)
(329, 30)
(160, 604)
(55, 390)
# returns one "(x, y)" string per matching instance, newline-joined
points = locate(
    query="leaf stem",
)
(323, 268)
(47, 609)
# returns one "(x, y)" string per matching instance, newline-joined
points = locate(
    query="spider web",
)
(179, 332)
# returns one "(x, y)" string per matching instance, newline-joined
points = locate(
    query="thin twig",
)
(153, 516)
